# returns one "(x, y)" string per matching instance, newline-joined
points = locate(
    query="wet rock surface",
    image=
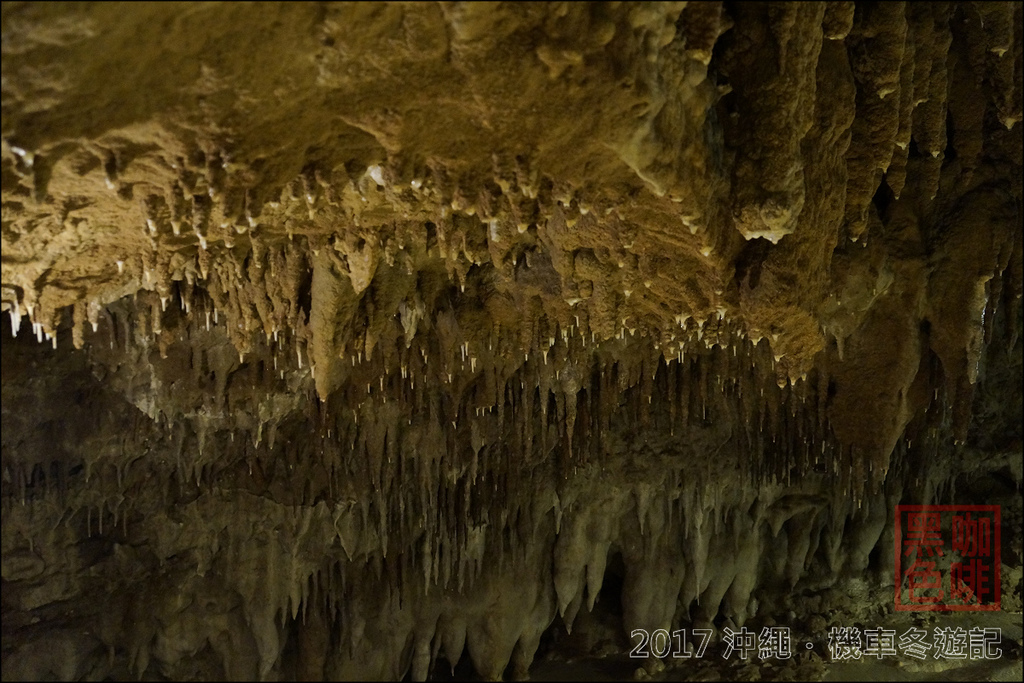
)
(385, 340)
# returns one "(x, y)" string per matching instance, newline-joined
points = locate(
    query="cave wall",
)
(348, 338)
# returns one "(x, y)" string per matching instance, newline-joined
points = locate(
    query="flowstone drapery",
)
(354, 339)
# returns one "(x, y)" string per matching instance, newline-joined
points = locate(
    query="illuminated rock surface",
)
(380, 337)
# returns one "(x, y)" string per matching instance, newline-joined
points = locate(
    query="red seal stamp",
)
(947, 558)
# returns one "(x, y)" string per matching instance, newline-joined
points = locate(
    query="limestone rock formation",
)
(354, 339)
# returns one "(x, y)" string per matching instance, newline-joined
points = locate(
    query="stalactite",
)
(514, 402)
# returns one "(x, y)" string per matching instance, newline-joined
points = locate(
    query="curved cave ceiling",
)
(368, 339)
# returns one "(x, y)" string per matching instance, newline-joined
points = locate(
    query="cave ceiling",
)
(373, 311)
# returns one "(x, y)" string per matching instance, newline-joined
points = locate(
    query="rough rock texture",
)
(386, 332)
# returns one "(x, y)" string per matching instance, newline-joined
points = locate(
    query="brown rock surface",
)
(381, 332)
